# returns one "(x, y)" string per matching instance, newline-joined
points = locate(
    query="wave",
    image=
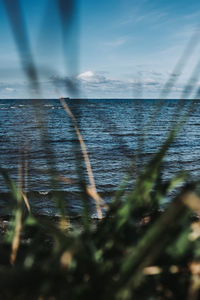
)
(43, 203)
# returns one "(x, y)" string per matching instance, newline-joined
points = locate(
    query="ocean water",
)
(114, 131)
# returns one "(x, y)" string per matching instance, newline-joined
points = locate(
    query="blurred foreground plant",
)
(137, 251)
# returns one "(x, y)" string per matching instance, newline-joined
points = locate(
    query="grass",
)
(137, 251)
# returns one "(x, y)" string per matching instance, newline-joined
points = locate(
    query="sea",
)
(38, 139)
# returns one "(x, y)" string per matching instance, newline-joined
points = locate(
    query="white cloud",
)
(95, 83)
(87, 76)
(8, 89)
(92, 77)
(99, 85)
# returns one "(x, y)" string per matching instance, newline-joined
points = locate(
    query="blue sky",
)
(115, 49)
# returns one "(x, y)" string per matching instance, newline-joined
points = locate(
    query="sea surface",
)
(36, 136)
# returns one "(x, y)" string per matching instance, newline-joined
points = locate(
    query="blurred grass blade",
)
(192, 44)
(17, 233)
(144, 184)
(92, 188)
(159, 234)
(17, 23)
(26, 202)
(16, 224)
(68, 15)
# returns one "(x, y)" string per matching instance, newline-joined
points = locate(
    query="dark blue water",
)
(112, 131)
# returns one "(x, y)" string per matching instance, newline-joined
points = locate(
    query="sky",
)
(112, 49)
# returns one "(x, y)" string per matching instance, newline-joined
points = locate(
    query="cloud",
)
(9, 89)
(96, 84)
(93, 78)
(93, 83)
(146, 73)
(88, 75)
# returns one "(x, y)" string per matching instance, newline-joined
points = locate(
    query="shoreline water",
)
(112, 131)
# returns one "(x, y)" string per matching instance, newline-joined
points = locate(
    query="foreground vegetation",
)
(137, 251)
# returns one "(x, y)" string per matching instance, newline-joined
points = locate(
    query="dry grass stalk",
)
(191, 200)
(194, 287)
(24, 196)
(66, 259)
(16, 239)
(152, 270)
(193, 293)
(195, 234)
(94, 194)
(92, 191)
(64, 224)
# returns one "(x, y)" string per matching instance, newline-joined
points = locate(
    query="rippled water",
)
(112, 131)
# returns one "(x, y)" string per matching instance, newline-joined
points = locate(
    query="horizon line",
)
(68, 98)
